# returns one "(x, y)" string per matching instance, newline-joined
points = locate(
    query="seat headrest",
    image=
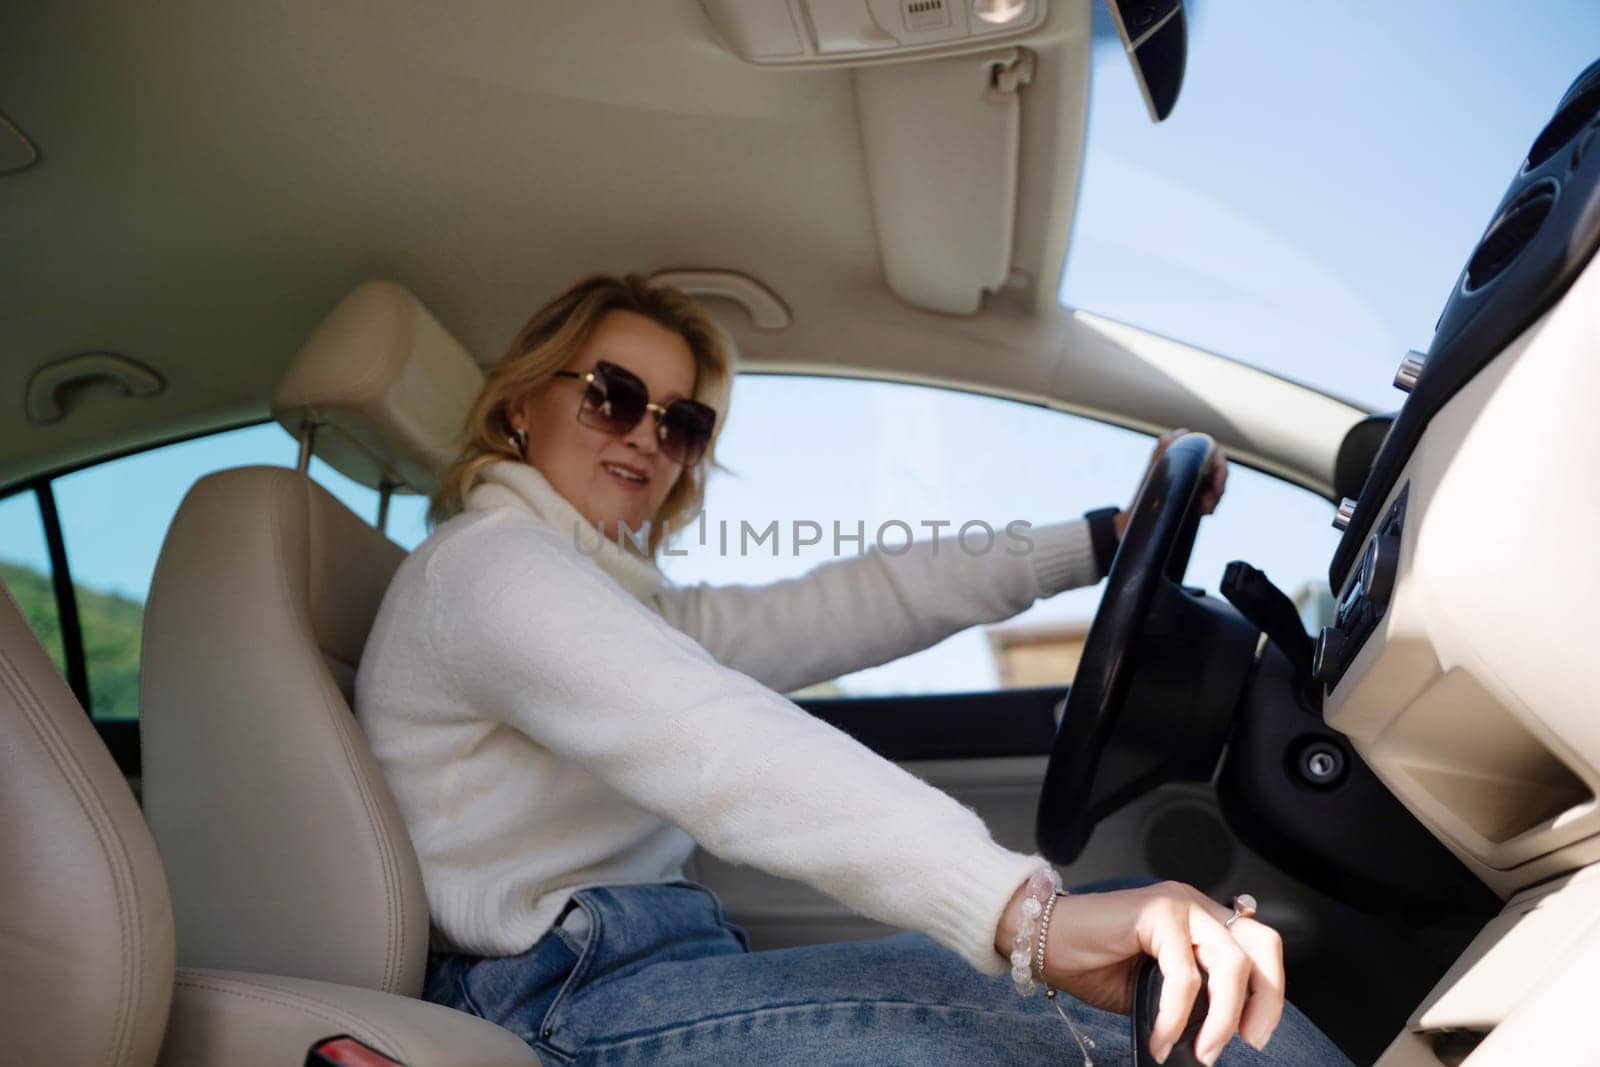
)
(387, 385)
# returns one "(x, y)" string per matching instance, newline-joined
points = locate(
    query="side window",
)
(114, 517)
(407, 525)
(407, 512)
(1277, 527)
(850, 451)
(25, 568)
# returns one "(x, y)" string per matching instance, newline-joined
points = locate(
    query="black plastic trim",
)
(121, 736)
(1359, 609)
(1352, 838)
(1103, 536)
(1479, 323)
(1357, 453)
(1578, 109)
(982, 725)
(66, 596)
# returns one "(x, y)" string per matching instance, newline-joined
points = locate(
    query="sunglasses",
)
(615, 400)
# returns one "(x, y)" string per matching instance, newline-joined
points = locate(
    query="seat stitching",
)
(117, 860)
(288, 482)
(283, 998)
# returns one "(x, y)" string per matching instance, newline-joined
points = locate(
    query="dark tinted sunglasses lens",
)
(614, 401)
(686, 430)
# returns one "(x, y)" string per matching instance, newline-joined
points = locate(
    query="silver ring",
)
(1244, 907)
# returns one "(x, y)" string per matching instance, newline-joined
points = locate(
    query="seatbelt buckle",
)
(345, 1051)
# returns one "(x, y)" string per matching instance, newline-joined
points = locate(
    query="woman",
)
(560, 727)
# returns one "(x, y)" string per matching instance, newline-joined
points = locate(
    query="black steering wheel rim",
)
(1155, 550)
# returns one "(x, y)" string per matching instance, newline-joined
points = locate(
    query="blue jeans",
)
(662, 976)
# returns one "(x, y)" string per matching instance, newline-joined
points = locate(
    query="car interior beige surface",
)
(84, 915)
(406, 160)
(88, 968)
(252, 1020)
(374, 151)
(284, 849)
(258, 786)
(1477, 708)
(383, 387)
(260, 789)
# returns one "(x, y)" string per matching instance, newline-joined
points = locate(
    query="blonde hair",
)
(545, 345)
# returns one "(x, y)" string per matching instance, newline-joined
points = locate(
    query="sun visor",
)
(941, 140)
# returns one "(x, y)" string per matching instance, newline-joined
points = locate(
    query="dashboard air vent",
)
(1573, 116)
(1510, 234)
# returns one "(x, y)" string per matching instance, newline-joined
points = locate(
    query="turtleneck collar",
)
(509, 483)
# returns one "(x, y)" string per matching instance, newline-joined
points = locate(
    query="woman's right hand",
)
(1097, 941)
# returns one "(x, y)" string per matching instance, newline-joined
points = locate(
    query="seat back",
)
(86, 956)
(282, 843)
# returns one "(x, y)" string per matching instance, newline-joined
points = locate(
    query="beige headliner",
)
(215, 176)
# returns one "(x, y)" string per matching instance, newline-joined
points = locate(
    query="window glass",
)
(405, 525)
(1322, 179)
(25, 569)
(869, 453)
(114, 517)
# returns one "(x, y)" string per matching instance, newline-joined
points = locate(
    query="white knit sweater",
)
(550, 719)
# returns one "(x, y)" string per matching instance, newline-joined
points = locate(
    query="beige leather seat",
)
(283, 848)
(85, 924)
(86, 939)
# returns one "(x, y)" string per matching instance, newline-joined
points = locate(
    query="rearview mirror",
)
(1156, 39)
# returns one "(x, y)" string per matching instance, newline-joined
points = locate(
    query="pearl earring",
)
(518, 439)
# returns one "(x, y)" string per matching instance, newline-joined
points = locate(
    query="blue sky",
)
(1306, 208)
(1328, 168)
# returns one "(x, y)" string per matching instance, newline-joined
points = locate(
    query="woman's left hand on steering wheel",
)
(1210, 496)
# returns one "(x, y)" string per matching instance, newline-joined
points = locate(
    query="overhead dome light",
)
(999, 12)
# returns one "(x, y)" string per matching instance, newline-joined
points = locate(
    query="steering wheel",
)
(1158, 639)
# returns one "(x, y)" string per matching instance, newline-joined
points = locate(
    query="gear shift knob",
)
(1146, 1000)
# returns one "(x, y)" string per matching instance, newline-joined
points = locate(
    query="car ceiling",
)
(213, 177)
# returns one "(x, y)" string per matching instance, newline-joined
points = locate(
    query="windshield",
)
(1323, 178)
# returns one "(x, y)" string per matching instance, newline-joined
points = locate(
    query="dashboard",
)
(1462, 661)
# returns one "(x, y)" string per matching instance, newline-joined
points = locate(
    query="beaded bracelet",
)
(1084, 1043)
(1041, 888)
(1028, 948)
